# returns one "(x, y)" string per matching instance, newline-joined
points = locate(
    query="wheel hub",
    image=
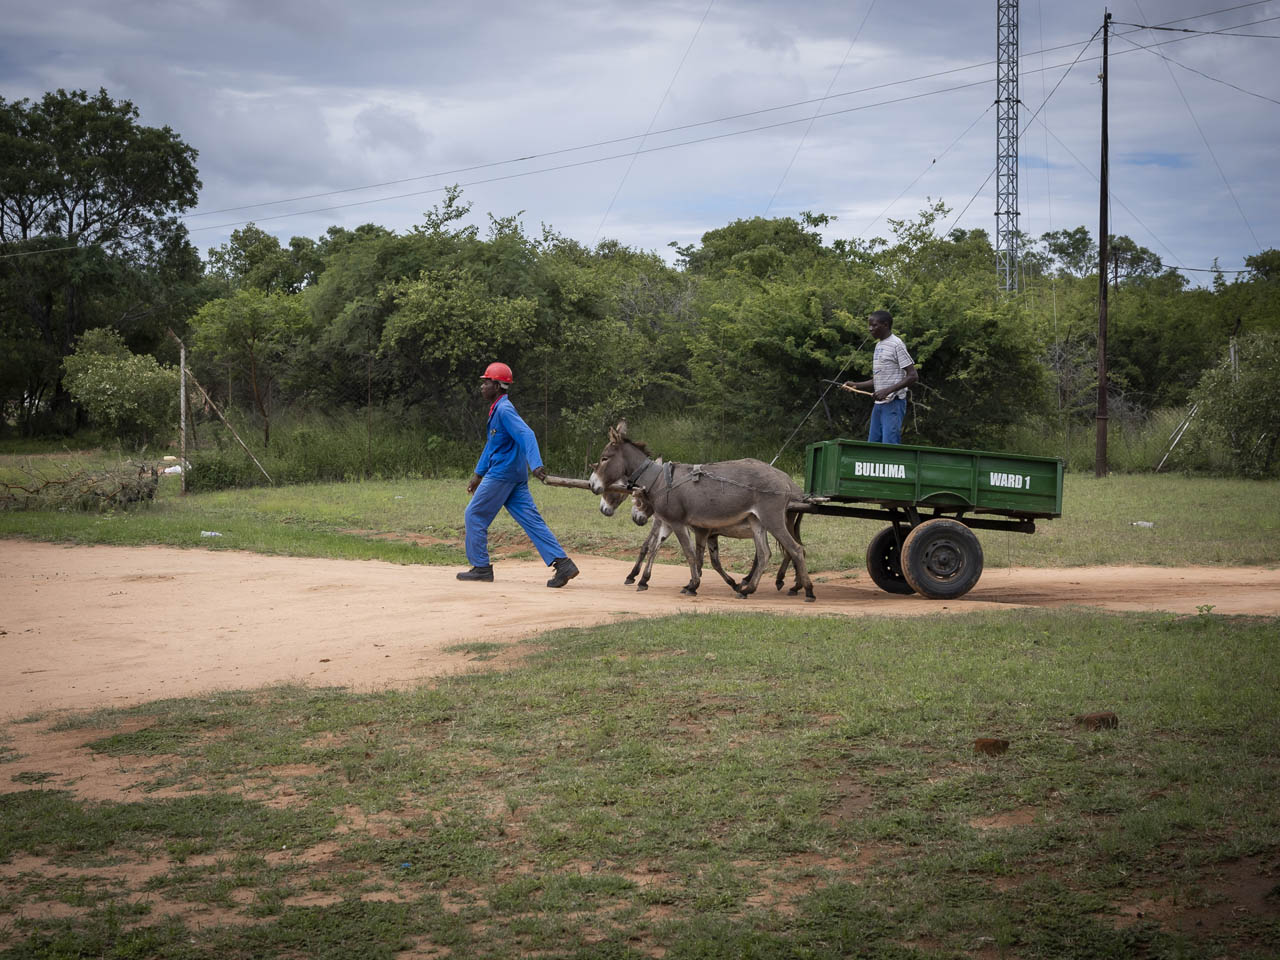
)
(944, 559)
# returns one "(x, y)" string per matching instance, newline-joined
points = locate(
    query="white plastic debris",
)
(176, 468)
(210, 533)
(1142, 523)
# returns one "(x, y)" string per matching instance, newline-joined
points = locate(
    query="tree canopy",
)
(89, 205)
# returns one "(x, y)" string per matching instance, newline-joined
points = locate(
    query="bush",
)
(319, 449)
(1238, 405)
(129, 394)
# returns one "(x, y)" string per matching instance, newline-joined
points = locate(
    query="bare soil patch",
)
(110, 626)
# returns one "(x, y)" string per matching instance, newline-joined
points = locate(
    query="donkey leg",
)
(695, 572)
(713, 547)
(645, 549)
(761, 537)
(791, 545)
(658, 535)
(793, 520)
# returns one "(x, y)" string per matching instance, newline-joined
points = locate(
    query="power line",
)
(1081, 164)
(1176, 63)
(804, 136)
(583, 163)
(1214, 13)
(652, 121)
(931, 165)
(1043, 103)
(32, 253)
(1207, 145)
(1212, 33)
(1205, 269)
(673, 129)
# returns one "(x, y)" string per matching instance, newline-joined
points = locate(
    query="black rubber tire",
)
(941, 559)
(884, 564)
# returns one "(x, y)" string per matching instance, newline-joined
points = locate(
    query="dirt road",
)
(103, 626)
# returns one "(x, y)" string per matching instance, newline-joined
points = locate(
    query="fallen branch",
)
(82, 490)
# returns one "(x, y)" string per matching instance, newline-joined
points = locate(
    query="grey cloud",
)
(383, 126)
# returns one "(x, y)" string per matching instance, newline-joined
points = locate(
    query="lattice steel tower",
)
(1007, 144)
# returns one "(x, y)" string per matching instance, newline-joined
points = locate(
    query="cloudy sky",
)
(650, 122)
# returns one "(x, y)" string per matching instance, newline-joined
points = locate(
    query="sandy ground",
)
(111, 626)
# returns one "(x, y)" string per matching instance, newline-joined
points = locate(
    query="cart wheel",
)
(941, 559)
(884, 564)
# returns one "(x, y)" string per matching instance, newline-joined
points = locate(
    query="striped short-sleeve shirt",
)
(887, 364)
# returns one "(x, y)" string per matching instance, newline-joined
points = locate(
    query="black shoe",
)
(484, 574)
(566, 570)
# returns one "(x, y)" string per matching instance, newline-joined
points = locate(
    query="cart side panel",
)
(946, 478)
(1026, 484)
(883, 472)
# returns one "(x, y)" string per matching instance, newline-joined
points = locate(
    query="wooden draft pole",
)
(1100, 454)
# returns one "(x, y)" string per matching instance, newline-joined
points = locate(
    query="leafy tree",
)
(1127, 260)
(254, 258)
(1073, 251)
(447, 325)
(759, 247)
(1265, 265)
(89, 200)
(349, 303)
(132, 395)
(259, 334)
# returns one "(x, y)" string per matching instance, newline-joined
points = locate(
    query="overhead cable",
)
(654, 119)
(931, 165)
(1081, 164)
(1043, 103)
(1212, 33)
(1176, 63)
(1208, 146)
(583, 163)
(673, 129)
(805, 136)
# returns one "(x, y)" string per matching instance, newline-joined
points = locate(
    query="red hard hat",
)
(498, 371)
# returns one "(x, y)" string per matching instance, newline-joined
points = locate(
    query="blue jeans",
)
(490, 497)
(886, 421)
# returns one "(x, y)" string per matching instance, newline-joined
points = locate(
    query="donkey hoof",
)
(643, 586)
(809, 598)
(778, 585)
(743, 596)
(792, 592)
(629, 581)
(689, 592)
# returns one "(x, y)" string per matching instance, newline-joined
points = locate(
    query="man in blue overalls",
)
(501, 479)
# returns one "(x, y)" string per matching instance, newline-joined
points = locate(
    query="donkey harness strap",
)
(633, 480)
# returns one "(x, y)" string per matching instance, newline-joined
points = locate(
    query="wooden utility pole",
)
(1100, 457)
(182, 410)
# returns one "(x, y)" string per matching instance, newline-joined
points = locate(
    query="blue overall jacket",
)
(512, 449)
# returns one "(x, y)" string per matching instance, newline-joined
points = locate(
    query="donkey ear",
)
(621, 429)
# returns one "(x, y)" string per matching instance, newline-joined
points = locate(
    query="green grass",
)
(1196, 521)
(698, 786)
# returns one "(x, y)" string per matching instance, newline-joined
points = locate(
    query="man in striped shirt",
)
(892, 372)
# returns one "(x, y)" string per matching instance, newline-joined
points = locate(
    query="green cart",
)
(933, 499)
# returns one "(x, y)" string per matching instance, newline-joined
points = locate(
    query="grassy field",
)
(1196, 521)
(695, 787)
